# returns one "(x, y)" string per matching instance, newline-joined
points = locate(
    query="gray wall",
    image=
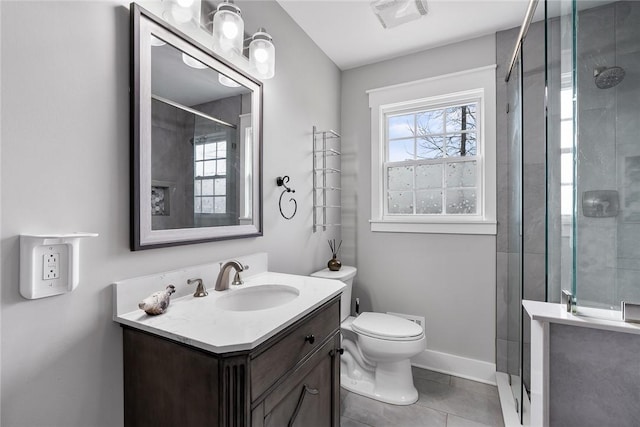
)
(65, 167)
(416, 274)
(594, 377)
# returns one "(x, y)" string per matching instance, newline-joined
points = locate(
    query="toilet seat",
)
(386, 327)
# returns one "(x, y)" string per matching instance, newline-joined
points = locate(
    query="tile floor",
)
(445, 401)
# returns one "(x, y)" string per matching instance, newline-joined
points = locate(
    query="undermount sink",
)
(257, 298)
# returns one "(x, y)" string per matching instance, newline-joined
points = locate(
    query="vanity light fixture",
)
(228, 30)
(183, 13)
(156, 41)
(392, 13)
(262, 54)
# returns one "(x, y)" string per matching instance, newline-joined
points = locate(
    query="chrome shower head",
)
(608, 77)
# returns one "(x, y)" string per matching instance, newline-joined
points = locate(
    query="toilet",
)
(377, 348)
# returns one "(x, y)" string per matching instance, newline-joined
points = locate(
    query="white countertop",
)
(557, 313)
(199, 323)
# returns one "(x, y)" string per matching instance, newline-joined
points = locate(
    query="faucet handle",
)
(200, 290)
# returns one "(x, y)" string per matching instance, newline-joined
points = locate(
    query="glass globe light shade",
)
(228, 30)
(262, 54)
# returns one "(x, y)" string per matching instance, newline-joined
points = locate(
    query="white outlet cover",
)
(49, 264)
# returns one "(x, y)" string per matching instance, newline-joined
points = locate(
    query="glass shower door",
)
(515, 248)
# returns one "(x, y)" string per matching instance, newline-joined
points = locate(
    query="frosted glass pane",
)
(461, 201)
(220, 204)
(430, 122)
(207, 205)
(429, 176)
(222, 167)
(400, 178)
(221, 186)
(400, 202)
(430, 147)
(456, 147)
(461, 174)
(401, 150)
(400, 126)
(196, 187)
(429, 202)
(209, 168)
(207, 187)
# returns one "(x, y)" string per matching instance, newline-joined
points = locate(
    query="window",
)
(433, 155)
(210, 182)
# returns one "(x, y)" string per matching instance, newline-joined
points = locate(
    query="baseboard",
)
(458, 366)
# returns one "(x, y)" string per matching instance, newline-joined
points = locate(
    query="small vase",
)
(334, 264)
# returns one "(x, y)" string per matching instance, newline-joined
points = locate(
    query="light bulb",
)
(261, 55)
(230, 29)
(192, 62)
(185, 3)
(182, 15)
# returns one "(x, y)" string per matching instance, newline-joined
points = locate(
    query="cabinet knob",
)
(341, 351)
(310, 339)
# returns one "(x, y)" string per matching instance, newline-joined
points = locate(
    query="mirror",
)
(196, 141)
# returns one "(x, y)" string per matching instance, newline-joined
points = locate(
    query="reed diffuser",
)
(334, 263)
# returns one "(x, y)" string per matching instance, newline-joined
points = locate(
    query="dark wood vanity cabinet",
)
(290, 380)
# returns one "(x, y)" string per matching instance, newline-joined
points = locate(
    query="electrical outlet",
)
(50, 265)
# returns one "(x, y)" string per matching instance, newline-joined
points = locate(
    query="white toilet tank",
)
(346, 275)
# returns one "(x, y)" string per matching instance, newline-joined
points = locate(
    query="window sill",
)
(441, 227)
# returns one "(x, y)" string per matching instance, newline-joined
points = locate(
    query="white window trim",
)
(468, 84)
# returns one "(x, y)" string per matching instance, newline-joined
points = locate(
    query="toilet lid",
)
(386, 326)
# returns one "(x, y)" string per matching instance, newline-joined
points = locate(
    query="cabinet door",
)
(307, 398)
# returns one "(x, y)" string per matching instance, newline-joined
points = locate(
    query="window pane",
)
(566, 199)
(461, 201)
(566, 134)
(197, 205)
(461, 145)
(222, 147)
(400, 126)
(207, 187)
(210, 151)
(400, 178)
(430, 122)
(209, 168)
(400, 202)
(199, 152)
(221, 186)
(429, 202)
(461, 174)
(199, 169)
(566, 168)
(461, 118)
(197, 187)
(207, 205)
(220, 204)
(222, 167)
(430, 147)
(401, 150)
(429, 176)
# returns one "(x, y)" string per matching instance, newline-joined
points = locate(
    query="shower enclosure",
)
(573, 169)
(594, 155)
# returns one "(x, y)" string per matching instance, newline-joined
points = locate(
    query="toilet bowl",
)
(377, 348)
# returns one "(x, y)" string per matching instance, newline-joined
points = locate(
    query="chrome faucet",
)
(222, 282)
(200, 290)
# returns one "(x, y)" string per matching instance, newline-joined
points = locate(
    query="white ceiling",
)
(350, 34)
